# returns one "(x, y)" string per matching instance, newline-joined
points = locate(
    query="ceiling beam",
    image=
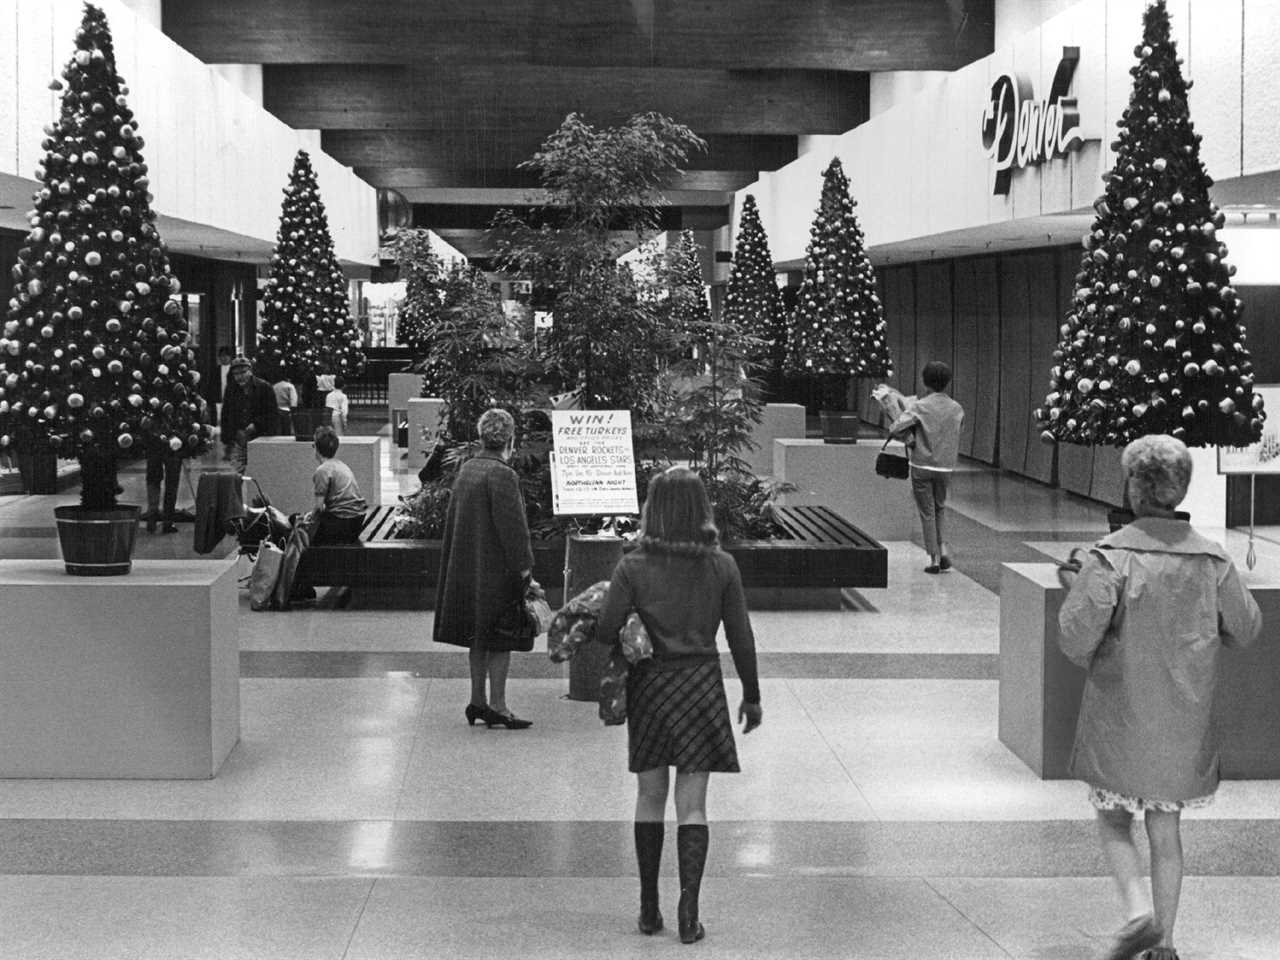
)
(730, 34)
(468, 149)
(406, 178)
(338, 97)
(442, 217)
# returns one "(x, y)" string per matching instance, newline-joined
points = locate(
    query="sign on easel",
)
(593, 468)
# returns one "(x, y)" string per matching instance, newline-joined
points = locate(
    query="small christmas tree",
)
(838, 329)
(1153, 341)
(93, 358)
(421, 269)
(752, 302)
(687, 313)
(306, 326)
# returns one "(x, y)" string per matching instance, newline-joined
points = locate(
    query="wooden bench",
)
(823, 550)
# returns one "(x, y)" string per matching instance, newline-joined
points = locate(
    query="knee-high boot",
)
(153, 505)
(691, 845)
(649, 838)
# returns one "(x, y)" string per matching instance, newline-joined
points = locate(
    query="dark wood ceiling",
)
(440, 99)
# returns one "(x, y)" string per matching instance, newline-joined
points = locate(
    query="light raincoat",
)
(1147, 615)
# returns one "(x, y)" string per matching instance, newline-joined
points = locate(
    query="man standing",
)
(216, 385)
(248, 411)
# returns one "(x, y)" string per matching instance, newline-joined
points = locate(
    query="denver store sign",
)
(1020, 131)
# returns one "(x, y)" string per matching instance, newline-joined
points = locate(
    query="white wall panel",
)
(215, 157)
(1261, 91)
(1215, 95)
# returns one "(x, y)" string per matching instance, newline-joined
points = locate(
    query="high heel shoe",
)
(495, 719)
(650, 921)
(475, 713)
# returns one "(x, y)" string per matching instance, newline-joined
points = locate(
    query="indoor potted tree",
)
(307, 330)
(93, 358)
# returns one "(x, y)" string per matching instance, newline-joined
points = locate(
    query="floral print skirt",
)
(1103, 799)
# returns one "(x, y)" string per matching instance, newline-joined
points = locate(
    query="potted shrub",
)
(306, 326)
(93, 358)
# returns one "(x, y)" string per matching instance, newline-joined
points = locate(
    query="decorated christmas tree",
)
(752, 302)
(837, 330)
(306, 326)
(420, 269)
(1153, 341)
(687, 314)
(93, 359)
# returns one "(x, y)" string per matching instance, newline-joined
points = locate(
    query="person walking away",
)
(286, 401)
(216, 385)
(486, 563)
(929, 424)
(164, 468)
(336, 400)
(248, 411)
(683, 586)
(1152, 606)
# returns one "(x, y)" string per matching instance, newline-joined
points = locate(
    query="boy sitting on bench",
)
(339, 510)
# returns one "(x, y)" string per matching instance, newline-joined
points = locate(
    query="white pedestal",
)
(843, 476)
(119, 677)
(780, 420)
(283, 466)
(401, 387)
(424, 419)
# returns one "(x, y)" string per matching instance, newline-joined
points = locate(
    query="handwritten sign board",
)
(593, 468)
(1263, 456)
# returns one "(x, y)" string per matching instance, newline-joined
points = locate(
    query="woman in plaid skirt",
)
(683, 586)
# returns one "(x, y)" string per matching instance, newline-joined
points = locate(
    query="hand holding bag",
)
(892, 465)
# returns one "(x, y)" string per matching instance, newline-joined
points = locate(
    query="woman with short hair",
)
(485, 566)
(683, 586)
(1151, 608)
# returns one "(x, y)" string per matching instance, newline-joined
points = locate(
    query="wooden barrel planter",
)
(97, 543)
(307, 419)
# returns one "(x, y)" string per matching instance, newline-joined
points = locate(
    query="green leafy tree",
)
(306, 325)
(837, 330)
(421, 270)
(752, 302)
(93, 357)
(1153, 341)
(603, 190)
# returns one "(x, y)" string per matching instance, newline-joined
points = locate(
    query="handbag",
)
(892, 465)
(524, 619)
(613, 690)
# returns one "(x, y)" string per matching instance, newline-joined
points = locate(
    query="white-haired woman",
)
(1152, 606)
(485, 563)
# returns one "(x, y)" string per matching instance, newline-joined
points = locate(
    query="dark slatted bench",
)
(825, 550)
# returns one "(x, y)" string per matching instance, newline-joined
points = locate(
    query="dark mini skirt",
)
(679, 718)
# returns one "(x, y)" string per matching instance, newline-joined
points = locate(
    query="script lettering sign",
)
(1020, 131)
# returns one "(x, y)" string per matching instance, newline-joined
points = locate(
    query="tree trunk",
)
(97, 479)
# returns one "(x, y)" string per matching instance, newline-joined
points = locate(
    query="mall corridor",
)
(360, 818)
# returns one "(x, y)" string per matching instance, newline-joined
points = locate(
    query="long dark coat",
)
(486, 545)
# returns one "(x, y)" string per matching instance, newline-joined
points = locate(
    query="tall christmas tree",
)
(687, 312)
(93, 360)
(1153, 341)
(306, 326)
(752, 302)
(838, 329)
(421, 270)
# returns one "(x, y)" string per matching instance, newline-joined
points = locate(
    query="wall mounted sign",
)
(593, 469)
(1020, 131)
(1263, 456)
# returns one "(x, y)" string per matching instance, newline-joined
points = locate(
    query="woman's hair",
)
(1161, 467)
(936, 375)
(496, 428)
(326, 442)
(677, 511)
(339, 382)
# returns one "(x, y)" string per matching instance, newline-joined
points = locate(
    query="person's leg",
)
(499, 665)
(922, 490)
(155, 473)
(1164, 835)
(1115, 831)
(941, 485)
(479, 663)
(691, 847)
(172, 475)
(651, 809)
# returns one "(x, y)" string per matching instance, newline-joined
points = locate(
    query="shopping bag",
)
(266, 570)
